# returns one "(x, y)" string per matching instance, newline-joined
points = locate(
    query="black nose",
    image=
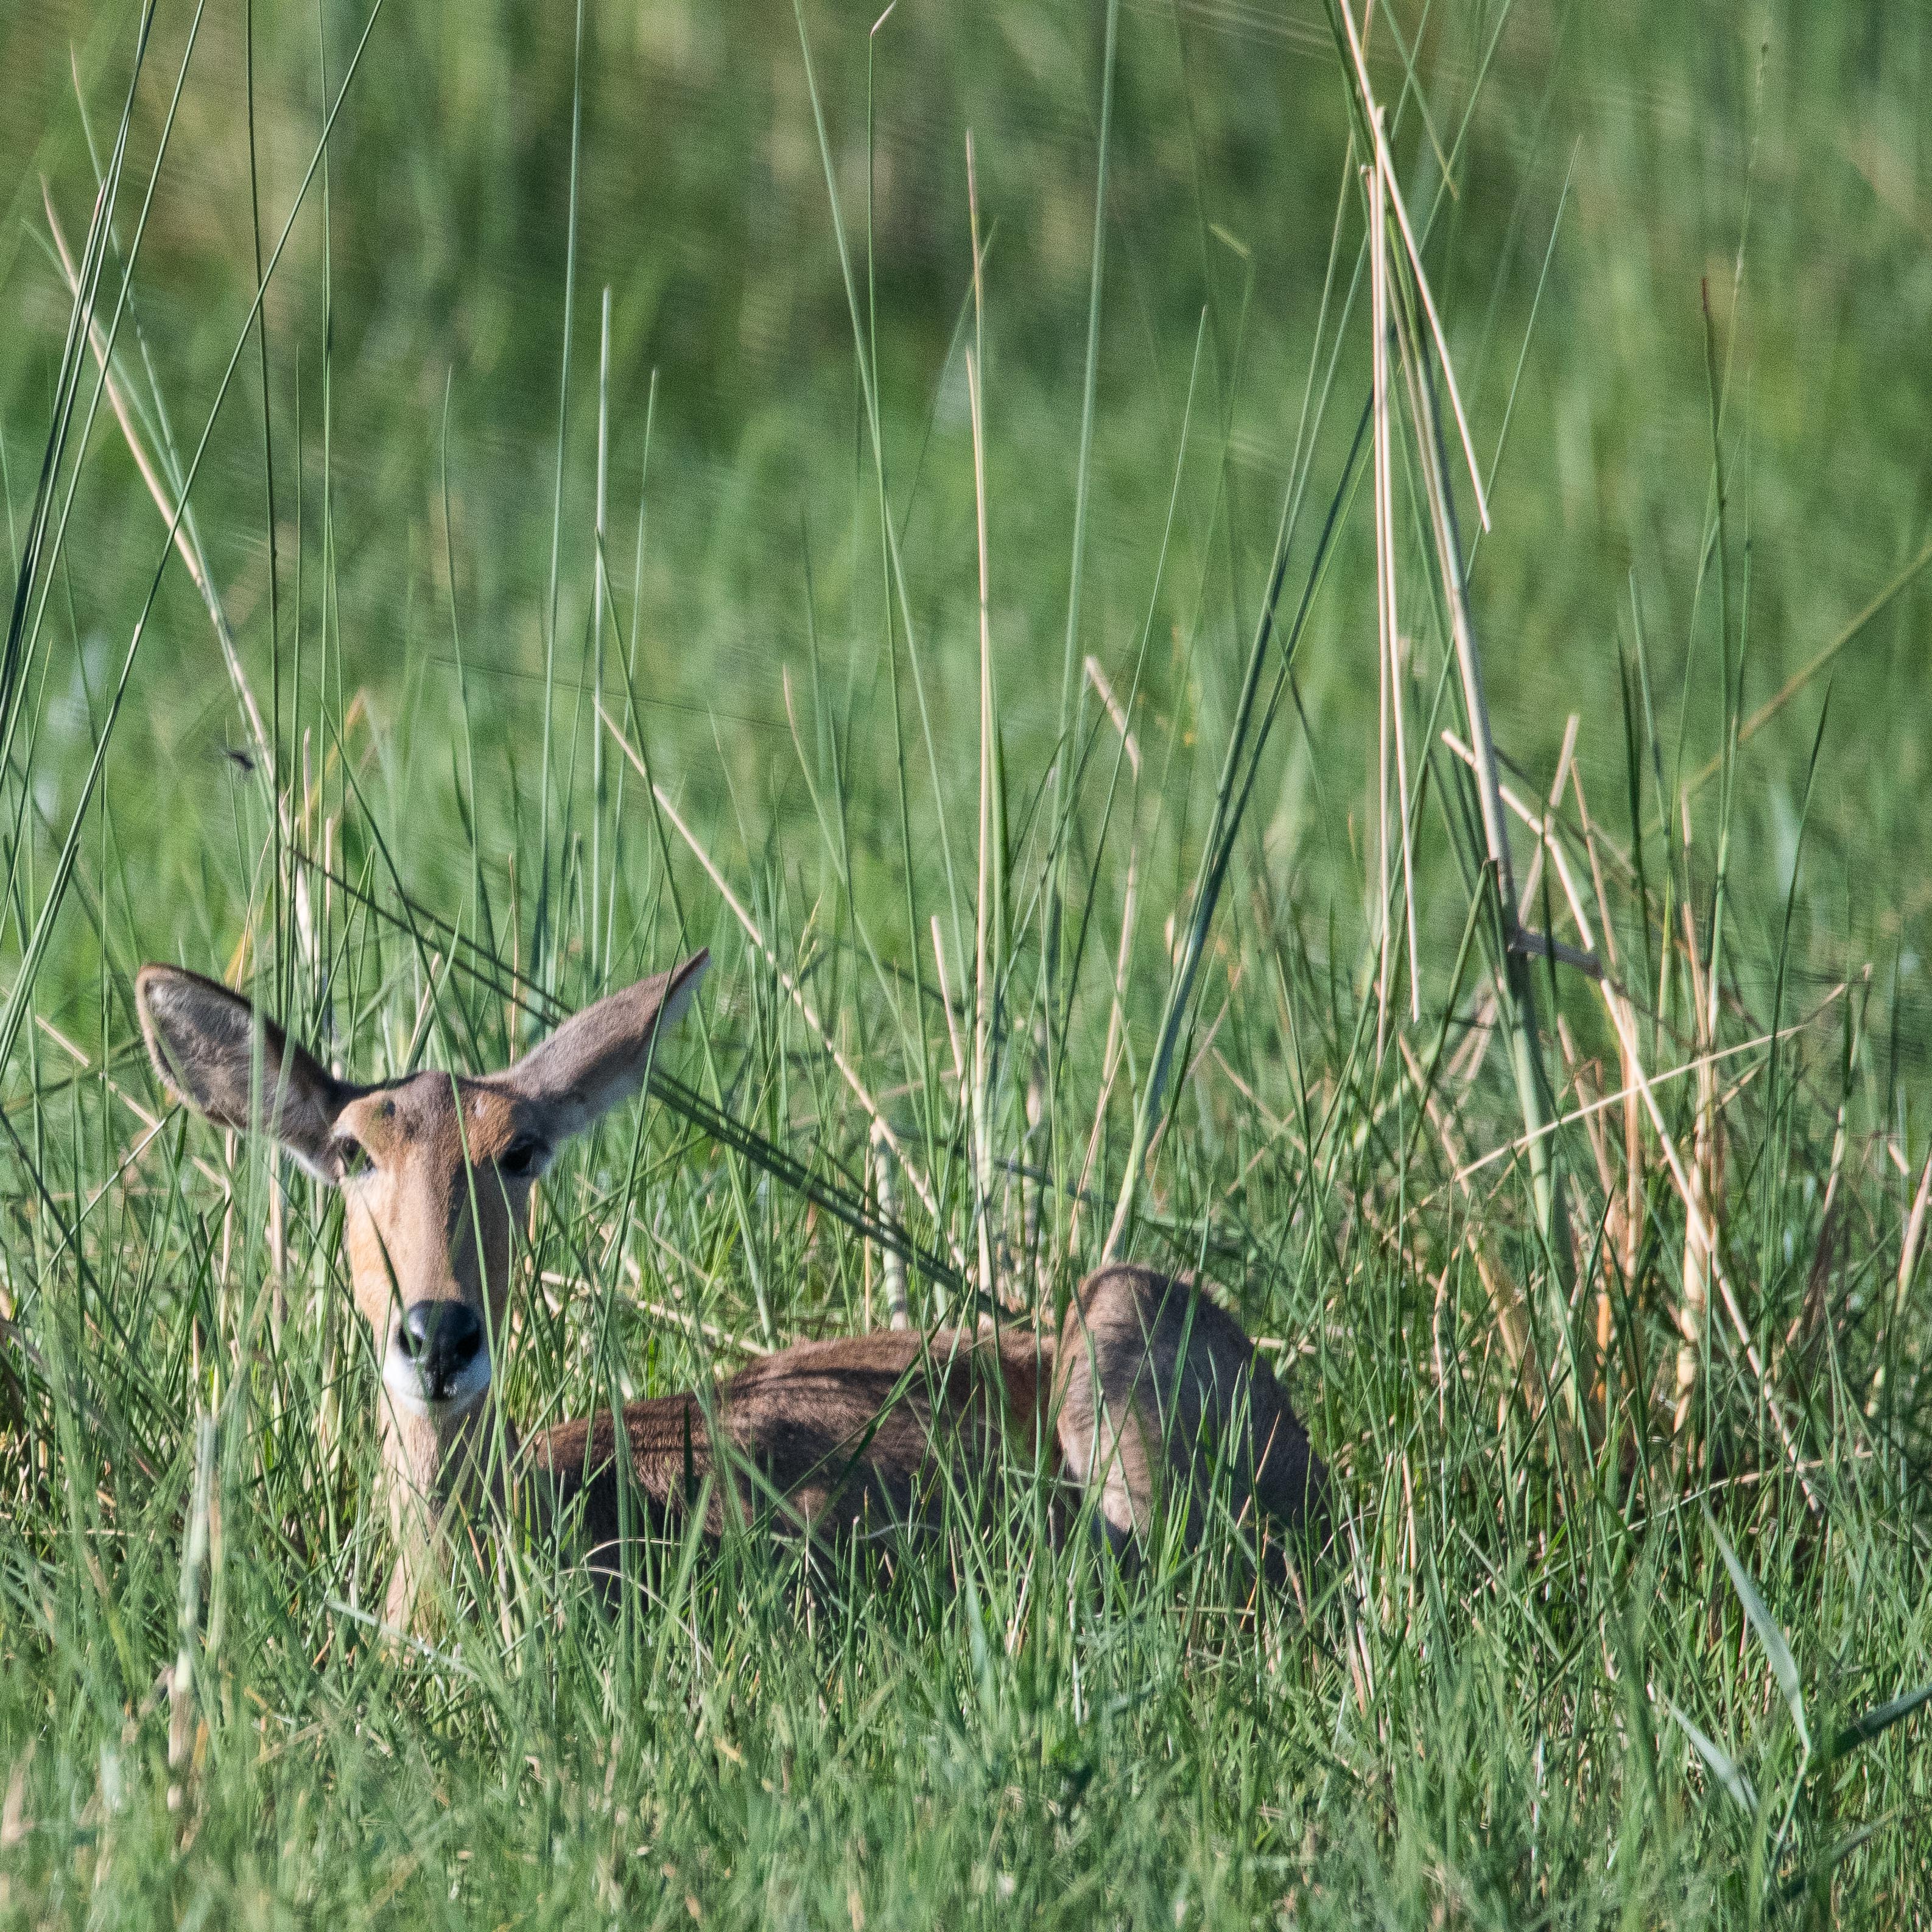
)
(443, 1338)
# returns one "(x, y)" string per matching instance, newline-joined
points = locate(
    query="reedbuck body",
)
(1149, 1396)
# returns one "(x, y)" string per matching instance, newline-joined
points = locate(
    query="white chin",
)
(402, 1384)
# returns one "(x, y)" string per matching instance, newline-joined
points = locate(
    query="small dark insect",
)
(245, 759)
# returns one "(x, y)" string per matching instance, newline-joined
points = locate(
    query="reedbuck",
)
(1151, 1396)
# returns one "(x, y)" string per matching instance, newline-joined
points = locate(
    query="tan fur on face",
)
(431, 1217)
(436, 1172)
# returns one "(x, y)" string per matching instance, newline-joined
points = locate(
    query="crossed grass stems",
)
(1578, 1288)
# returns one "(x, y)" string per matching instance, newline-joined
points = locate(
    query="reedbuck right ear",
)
(598, 1060)
(204, 1041)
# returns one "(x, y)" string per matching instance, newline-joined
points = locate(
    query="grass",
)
(703, 512)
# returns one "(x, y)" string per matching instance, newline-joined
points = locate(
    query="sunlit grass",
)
(996, 695)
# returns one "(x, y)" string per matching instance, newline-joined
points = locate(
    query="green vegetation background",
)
(1454, 1734)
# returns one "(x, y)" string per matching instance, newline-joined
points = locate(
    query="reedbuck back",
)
(1151, 1397)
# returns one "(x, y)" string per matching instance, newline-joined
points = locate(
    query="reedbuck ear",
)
(598, 1060)
(203, 1041)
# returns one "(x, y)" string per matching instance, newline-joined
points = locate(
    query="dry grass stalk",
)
(1388, 628)
(1115, 1053)
(1908, 1265)
(180, 519)
(946, 1004)
(1624, 1020)
(1698, 1224)
(792, 992)
(570, 1284)
(1097, 677)
(985, 966)
(1706, 1183)
(181, 1726)
(150, 1122)
(1385, 169)
(892, 1260)
(1543, 824)
(1532, 878)
(1915, 1234)
(1633, 1151)
(1505, 1299)
(1468, 1060)
(1610, 1246)
(1824, 1258)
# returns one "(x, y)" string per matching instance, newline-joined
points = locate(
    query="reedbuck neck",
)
(436, 1171)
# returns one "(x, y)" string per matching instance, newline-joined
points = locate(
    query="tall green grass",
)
(607, 486)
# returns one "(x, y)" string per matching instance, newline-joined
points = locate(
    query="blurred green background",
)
(431, 274)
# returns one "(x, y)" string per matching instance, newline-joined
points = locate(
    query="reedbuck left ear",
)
(212, 1049)
(597, 1060)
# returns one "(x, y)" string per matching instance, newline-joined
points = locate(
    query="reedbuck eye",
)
(520, 1160)
(350, 1155)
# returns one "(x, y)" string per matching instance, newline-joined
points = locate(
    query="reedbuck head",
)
(435, 1169)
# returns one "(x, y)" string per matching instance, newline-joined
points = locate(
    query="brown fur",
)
(864, 1435)
(1161, 1402)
